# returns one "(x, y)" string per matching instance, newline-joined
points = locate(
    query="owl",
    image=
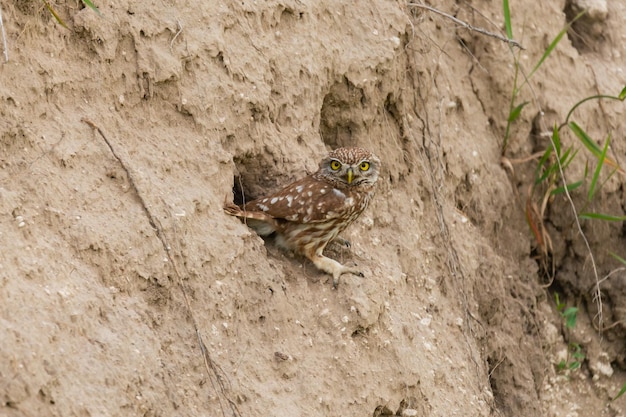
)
(309, 213)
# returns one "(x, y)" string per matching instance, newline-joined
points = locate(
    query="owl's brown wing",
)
(305, 201)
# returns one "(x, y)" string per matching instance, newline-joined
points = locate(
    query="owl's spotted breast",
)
(310, 200)
(309, 213)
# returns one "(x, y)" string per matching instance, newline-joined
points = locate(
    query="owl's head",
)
(350, 167)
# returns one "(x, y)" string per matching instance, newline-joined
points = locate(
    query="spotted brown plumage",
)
(311, 212)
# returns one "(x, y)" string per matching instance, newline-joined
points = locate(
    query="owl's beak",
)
(350, 175)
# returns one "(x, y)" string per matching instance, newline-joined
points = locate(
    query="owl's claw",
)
(341, 241)
(351, 271)
(332, 267)
(345, 270)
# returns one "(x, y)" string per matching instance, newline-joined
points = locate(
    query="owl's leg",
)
(332, 267)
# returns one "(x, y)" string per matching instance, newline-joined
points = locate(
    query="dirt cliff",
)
(126, 290)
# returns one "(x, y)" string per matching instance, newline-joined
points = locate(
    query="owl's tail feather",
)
(261, 222)
(233, 209)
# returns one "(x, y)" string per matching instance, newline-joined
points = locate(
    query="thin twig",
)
(468, 26)
(211, 367)
(532, 157)
(607, 276)
(597, 295)
(180, 29)
(4, 38)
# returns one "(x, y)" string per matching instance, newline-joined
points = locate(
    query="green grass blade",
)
(600, 216)
(592, 146)
(89, 4)
(515, 113)
(547, 173)
(564, 160)
(545, 156)
(578, 355)
(559, 305)
(539, 177)
(585, 139)
(556, 139)
(54, 13)
(567, 159)
(596, 174)
(570, 187)
(622, 95)
(554, 43)
(573, 366)
(620, 393)
(619, 258)
(570, 317)
(548, 51)
(507, 19)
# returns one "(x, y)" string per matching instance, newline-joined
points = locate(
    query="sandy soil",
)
(125, 289)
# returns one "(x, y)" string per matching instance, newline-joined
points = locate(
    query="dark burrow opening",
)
(255, 175)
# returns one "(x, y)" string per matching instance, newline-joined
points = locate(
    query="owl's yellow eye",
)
(364, 166)
(335, 165)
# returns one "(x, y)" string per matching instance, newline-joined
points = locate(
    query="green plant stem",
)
(509, 122)
(599, 96)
